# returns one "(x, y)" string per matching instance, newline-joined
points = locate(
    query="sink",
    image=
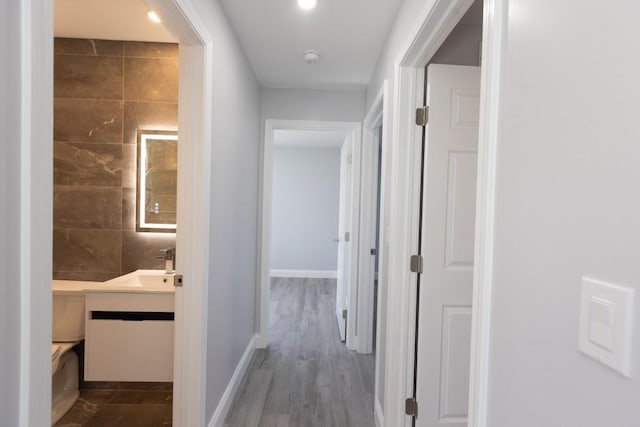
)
(142, 280)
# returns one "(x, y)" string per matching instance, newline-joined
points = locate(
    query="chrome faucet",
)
(169, 258)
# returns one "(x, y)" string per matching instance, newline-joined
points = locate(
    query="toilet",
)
(68, 330)
(65, 381)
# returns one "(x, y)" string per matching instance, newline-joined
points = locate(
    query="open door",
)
(344, 241)
(447, 245)
(368, 252)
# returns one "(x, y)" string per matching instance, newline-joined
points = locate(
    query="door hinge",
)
(344, 314)
(411, 407)
(422, 116)
(417, 262)
(373, 251)
(347, 236)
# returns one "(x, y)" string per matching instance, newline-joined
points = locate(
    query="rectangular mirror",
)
(157, 181)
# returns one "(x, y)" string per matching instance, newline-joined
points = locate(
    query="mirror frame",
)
(141, 224)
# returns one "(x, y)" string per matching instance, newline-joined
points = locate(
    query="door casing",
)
(433, 25)
(377, 116)
(264, 227)
(368, 195)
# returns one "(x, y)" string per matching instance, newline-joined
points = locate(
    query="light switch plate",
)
(606, 319)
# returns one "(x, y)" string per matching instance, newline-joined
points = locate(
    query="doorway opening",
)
(344, 271)
(309, 266)
(114, 203)
(454, 226)
(444, 293)
(189, 313)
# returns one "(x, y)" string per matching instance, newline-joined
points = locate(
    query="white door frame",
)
(368, 199)
(195, 108)
(434, 24)
(264, 226)
(194, 193)
(378, 115)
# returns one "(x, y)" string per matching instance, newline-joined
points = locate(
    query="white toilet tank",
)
(68, 309)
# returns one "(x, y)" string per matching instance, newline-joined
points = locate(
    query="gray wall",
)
(462, 46)
(567, 205)
(323, 105)
(234, 209)
(305, 206)
(100, 100)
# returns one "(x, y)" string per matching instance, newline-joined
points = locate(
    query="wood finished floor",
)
(306, 377)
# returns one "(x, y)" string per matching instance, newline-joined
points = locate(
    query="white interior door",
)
(448, 224)
(368, 239)
(344, 245)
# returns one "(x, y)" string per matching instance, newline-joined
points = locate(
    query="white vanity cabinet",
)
(129, 336)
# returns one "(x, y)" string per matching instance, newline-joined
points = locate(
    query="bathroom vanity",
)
(129, 328)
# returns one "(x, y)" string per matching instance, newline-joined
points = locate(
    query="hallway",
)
(306, 377)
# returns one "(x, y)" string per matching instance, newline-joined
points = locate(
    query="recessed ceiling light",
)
(311, 57)
(153, 16)
(307, 4)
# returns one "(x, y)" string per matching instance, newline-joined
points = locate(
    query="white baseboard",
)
(226, 401)
(261, 341)
(311, 274)
(378, 414)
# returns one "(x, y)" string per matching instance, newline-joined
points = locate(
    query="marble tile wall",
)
(103, 92)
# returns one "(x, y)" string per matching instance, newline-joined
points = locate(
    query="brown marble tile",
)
(87, 207)
(131, 416)
(97, 396)
(79, 414)
(149, 116)
(93, 77)
(142, 397)
(139, 250)
(128, 208)
(87, 164)
(85, 276)
(87, 250)
(84, 120)
(87, 47)
(150, 50)
(147, 79)
(129, 166)
(166, 386)
(100, 386)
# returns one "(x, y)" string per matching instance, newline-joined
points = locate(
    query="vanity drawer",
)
(127, 339)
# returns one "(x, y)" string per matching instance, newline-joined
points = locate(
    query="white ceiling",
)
(348, 34)
(108, 20)
(309, 138)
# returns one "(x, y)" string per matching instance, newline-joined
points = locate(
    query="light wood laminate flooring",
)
(306, 377)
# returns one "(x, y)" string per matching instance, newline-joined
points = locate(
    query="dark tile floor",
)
(121, 404)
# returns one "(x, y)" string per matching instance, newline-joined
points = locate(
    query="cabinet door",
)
(120, 346)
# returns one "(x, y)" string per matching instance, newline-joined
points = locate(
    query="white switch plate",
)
(606, 319)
